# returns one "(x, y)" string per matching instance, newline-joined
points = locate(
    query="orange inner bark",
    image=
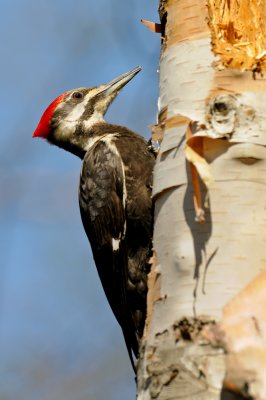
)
(238, 30)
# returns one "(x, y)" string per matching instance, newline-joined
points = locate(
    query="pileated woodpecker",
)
(114, 195)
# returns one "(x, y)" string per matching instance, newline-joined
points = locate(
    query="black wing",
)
(102, 206)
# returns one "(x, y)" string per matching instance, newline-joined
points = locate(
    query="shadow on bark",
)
(201, 233)
(228, 395)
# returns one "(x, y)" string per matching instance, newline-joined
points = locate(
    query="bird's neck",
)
(84, 138)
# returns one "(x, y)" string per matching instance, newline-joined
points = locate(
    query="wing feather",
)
(102, 207)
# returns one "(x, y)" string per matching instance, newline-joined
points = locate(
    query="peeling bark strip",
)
(239, 33)
(152, 26)
(154, 294)
(202, 267)
(242, 333)
(185, 20)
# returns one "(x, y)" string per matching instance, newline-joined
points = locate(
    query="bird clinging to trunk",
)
(114, 195)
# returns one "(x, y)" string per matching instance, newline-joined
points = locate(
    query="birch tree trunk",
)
(205, 335)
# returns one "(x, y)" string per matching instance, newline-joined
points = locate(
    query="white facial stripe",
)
(65, 128)
(77, 112)
(79, 109)
(95, 118)
(68, 125)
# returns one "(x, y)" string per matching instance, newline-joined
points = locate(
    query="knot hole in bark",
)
(220, 107)
(221, 114)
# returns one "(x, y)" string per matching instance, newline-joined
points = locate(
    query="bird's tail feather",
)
(132, 346)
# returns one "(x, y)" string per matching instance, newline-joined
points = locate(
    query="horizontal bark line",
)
(186, 20)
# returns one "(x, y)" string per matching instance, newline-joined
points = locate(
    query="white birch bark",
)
(199, 329)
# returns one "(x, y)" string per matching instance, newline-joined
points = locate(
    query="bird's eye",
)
(77, 95)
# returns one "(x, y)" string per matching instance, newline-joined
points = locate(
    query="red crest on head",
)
(43, 127)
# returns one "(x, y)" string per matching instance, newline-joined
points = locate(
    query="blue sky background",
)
(58, 337)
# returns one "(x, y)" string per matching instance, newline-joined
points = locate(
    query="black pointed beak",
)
(118, 83)
(105, 94)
